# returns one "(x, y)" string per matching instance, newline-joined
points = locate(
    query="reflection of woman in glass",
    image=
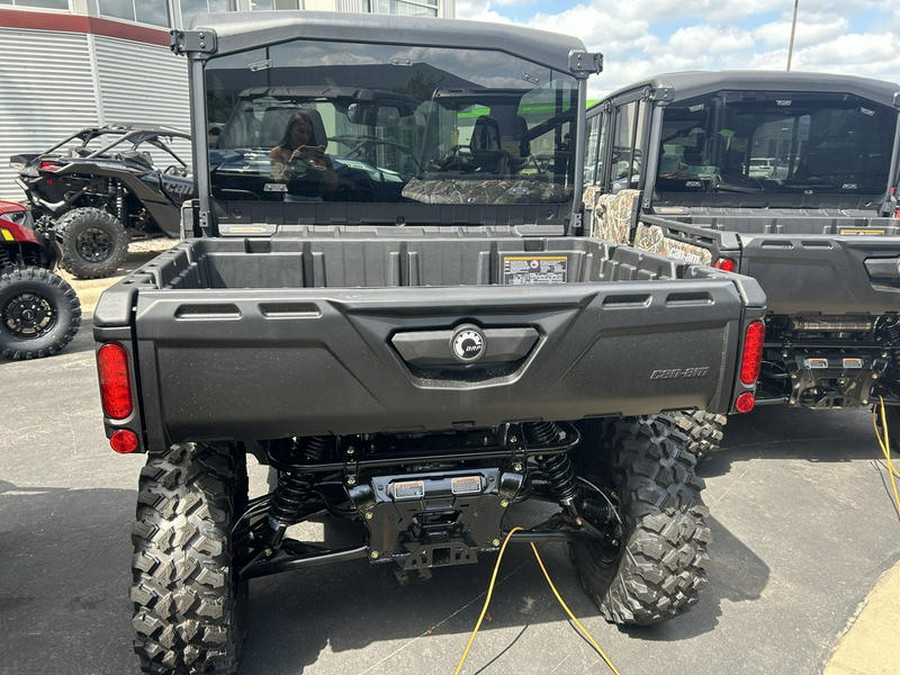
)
(293, 158)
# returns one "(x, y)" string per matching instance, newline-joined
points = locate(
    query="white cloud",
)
(831, 35)
(479, 10)
(870, 55)
(810, 31)
(708, 41)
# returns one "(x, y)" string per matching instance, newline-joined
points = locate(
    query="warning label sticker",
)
(531, 270)
(860, 231)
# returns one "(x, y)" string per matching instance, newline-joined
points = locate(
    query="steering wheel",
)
(543, 163)
(458, 158)
(362, 147)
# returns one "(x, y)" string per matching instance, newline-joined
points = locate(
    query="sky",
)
(644, 37)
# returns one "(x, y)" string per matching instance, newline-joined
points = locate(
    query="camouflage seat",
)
(476, 190)
(653, 239)
(611, 216)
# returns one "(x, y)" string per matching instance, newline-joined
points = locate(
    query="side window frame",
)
(629, 125)
(598, 133)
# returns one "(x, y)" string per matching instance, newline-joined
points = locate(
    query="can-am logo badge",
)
(467, 344)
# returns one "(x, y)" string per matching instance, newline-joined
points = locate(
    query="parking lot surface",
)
(802, 520)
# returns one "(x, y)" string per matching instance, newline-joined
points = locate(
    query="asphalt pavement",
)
(803, 524)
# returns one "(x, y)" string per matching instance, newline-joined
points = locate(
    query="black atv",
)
(39, 312)
(103, 185)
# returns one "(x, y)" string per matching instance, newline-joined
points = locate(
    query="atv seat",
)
(487, 154)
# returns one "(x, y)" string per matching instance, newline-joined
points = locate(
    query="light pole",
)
(793, 30)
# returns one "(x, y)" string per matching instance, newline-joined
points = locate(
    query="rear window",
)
(388, 124)
(776, 142)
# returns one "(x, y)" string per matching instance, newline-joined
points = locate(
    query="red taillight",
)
(115, 384)
(753, 349)
(48, 165)
(745, 402)
(123, 441)
(725, 264)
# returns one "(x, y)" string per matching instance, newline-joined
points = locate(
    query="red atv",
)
(39, 311)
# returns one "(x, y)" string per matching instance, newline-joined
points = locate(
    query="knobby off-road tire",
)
(39, 313)
(188, 602)
(94, 243)
(659, 567)
(704, 431)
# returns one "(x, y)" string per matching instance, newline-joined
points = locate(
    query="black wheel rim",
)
(93, 245)
(28, 316)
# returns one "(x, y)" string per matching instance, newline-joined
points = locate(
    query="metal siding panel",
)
(144, 84)
(141, 83)
(48, 90)
(356, 6)
(47, 93)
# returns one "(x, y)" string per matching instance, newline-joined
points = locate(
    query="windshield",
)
(348, 122)
(776, 142)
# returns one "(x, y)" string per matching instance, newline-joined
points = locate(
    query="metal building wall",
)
(47, 91)
(143, 84)
(55, 82)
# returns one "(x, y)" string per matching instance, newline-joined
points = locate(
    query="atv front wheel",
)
(654, 566)
(39, 313)
(94, 243)
(704, 430)
(188, 601)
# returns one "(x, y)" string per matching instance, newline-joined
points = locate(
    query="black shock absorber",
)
(560, 477)
(288, 500)
(317, 448)
(294, 490)
(557, 468)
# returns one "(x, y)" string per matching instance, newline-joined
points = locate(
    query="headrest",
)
(485, 135)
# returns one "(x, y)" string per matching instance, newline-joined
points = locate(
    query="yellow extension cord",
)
(883, 440)
(885, 443)
(487, 601)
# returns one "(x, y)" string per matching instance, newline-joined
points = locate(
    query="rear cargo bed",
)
(273, 338)
(812, 265)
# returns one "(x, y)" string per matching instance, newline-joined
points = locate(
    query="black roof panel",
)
(688, 84)
(240, 31)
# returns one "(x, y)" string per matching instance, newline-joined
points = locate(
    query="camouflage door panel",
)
(652, 238)
(484, 191)
(611, 216)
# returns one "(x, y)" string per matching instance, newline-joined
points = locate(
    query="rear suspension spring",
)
(289, 498)
(541, 433)
(560, 476)
(317, 448)
(557, 468)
